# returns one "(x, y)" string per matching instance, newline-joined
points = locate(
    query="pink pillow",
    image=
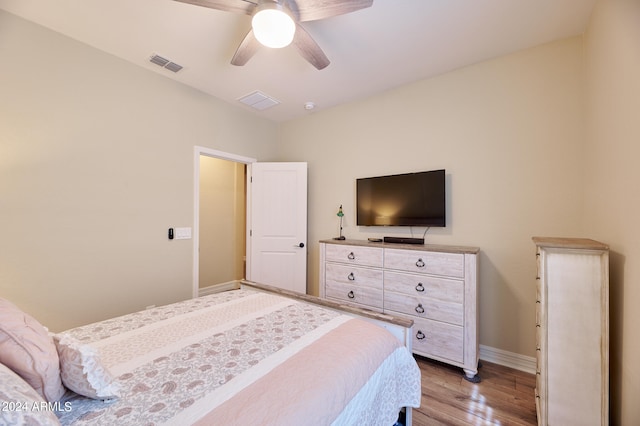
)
(27, 349)
(21, 405)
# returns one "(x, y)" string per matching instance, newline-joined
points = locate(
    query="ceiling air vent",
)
(165, 63)
(258, 100)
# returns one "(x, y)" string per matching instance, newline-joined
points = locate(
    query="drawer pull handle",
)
(350, 295)
(420, 287)
(420, 263)
(351, 256)
(420, 335)
(420, 309)
(351, 277)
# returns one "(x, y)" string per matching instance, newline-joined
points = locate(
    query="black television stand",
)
(403, 240)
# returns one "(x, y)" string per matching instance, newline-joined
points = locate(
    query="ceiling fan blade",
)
(246, 50)
(237, 6)
(312, 10)
(309, 49)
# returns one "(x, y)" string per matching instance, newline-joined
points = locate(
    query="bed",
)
(256, 355)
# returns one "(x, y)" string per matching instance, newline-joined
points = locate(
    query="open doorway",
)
(222, 223)
(220, 220)
(275, 204)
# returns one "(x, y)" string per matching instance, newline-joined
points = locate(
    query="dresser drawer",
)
(539, 394)
(444, 289)
(365, 296)
(353, 275)
(538, 410)
(447, 264)
(439, 340)
(424, 307)
(363, 256)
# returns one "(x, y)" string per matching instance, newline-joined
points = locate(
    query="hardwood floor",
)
(504, 396)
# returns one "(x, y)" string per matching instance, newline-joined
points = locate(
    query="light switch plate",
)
(182, 233)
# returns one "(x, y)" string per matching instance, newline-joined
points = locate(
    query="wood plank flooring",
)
(504, 396)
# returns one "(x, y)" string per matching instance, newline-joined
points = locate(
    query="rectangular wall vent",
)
(258, 100)
(165, 63)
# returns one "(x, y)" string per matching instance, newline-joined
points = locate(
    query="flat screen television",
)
(410, 199)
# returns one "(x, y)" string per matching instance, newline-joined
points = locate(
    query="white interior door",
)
(277, 229)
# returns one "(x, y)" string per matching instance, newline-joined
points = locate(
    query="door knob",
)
(301, 245)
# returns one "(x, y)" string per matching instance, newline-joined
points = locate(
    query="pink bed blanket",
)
(243, 357)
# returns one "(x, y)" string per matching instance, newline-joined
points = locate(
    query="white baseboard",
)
(218, 288)
(508, 359)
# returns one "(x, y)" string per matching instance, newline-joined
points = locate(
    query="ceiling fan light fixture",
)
(272, 25)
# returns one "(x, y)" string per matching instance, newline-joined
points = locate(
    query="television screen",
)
(411, 199)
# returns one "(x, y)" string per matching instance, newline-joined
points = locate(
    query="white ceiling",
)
(390, 44)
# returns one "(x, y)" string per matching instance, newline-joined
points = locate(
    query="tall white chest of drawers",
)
(434, 285)
(572, 332)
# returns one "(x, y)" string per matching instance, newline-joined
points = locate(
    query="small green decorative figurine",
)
(340, 215)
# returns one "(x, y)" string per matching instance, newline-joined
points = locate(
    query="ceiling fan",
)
(272, 17)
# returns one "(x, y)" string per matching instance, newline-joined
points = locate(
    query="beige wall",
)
(96, 163)
(222, 221)
(612, 205)
(509, 134)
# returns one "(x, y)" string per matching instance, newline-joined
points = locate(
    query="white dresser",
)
(435, 286)
(572, 324)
